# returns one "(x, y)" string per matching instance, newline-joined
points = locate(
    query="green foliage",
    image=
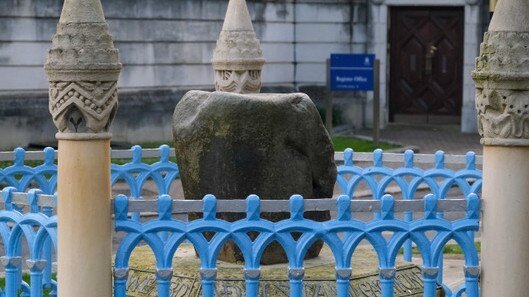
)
(337, 119)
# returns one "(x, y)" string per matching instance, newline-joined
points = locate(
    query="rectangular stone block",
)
(34, 78)
(337, 32)
(323, 13)
(319, 52)
(278, 52)
(166, 53)
(23, 53)
(311, 72)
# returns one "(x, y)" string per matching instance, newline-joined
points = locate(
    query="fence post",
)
(83, 68)
(502, 101)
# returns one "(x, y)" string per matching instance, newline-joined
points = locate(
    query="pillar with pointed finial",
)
(502, 102)
(238, 59)
(83, 68)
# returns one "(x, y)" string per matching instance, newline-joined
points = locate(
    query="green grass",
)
(30, 163)
(358, 145)
(155, 144)
(26, 278)
(340, 143)
(451, 248)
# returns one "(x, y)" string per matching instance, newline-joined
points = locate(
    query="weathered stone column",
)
(502, 101)
(238, 59)
(83, 69)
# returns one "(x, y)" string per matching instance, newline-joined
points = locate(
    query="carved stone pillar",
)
(502, 102)
(83, 69)
(238, 59)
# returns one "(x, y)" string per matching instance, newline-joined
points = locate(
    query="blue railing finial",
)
(344, 208)
(253, 208)
(20, 156)
(387, 205)
(121, 207)
(408, 159)
(165, 151)
(473, 206)
(7, 197)
(430, 207)
(296, 207)
(33, 200)
(378, 156)
(49, 156)
(210, 207)
(348, 157)
(165, 207)
(136, 154)
(439, 160)
(471, 161)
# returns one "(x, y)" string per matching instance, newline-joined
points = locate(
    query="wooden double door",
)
(426, 64)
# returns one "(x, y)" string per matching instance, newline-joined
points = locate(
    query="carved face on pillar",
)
(502, 88)
(503, 113)
(238, 81)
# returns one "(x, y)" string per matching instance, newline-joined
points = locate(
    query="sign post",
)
(356, 72)
(376, 104)
(328, 101)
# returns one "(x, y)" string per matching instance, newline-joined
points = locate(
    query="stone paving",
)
(428, 139)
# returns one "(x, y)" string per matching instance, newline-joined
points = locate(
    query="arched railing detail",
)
(354, 231)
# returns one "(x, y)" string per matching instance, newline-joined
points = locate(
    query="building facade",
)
(426, 50)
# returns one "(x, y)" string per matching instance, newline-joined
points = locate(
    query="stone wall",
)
(169, 43)
(166, 47)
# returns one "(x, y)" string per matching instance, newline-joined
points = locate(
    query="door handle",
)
(429, 55)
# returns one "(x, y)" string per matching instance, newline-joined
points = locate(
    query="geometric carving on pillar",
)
(234, 81)
(238, 58)
(83, 107)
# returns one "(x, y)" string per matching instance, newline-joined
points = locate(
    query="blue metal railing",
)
(409, 178)
(438, 179)
(26, 219)
(342, 247)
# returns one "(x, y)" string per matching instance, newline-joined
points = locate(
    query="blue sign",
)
(352, 72)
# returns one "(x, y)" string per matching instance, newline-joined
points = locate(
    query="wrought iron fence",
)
(439, 178)
(28, 217)
(342, 234)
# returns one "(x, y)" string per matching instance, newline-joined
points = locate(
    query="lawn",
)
(340, 144)
(358, 145)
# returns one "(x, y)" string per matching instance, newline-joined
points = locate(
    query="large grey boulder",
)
(271, 145)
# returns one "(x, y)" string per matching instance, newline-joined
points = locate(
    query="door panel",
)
(426, 62)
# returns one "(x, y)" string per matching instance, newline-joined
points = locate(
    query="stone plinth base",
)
(319, 276)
